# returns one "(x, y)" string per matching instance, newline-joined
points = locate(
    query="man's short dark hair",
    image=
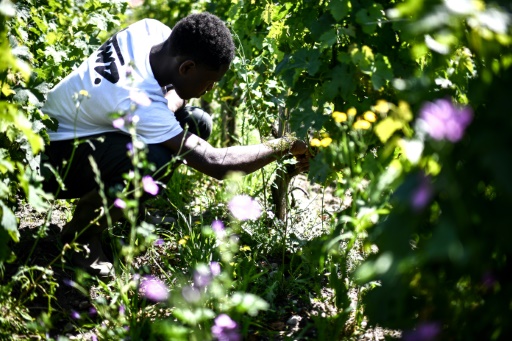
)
(203, 38)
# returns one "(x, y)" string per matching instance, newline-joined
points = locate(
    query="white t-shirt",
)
(104, 76)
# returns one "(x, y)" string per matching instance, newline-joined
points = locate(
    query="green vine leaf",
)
(340, 9)
(9, 222)
(369, 18)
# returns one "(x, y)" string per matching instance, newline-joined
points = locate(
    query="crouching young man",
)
(165, 68)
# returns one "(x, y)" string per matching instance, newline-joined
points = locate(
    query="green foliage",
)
(328, 57)
(444, 265)
(39, 44)
(17, 140)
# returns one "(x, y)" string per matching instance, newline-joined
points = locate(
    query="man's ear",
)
(186, 66)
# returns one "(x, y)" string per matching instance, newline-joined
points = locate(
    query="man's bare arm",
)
(217, 162)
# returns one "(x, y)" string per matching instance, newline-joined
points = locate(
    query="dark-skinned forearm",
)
(217, 162)
(247, 159)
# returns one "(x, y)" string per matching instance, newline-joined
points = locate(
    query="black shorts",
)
(110, 153)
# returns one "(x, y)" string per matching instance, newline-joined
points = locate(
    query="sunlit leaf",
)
(340, 9)
(194, 316)
(382, 73)
(248, 303)
(9, 222)
(38, 198)
(6, 90)
(362, 57)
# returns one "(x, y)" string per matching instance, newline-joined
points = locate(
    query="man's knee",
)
(195, 120)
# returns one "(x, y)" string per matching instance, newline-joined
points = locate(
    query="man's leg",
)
(86, 227)
(109, 152)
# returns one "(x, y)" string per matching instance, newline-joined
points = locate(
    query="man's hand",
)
(300, 150)
(298, 147)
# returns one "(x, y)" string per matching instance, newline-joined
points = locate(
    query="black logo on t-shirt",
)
(108, 67)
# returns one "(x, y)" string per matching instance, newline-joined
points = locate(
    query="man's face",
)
(195, 80)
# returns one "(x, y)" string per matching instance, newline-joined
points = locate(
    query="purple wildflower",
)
(159, 242)
(215, 268)
(225, 329)
(129, 146)
(94, 337)
(202, 277)
(422, 194)
(131, 118)
(118, 123)
(243, 207)
(153, 289)
(122, 309)
(69, 282)
(426, 331)
(442, 120)
(93, 312)
(120, 203)
(218, 228)
(75, 315)
(149, 185)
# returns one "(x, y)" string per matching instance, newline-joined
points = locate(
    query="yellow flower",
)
(404, 111)
(362, 125)
(479, 5)
(382, 107)
(315, 143)
(83, 93)
(186, 237)
(245, 248)
(339, 116)
(352, 111)
(326, 141)
(182, 242)
(370, 116)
